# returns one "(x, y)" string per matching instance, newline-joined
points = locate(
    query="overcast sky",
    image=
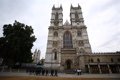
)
(102, 18)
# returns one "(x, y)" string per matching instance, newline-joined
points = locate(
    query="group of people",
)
(46, 72)
(43, 72)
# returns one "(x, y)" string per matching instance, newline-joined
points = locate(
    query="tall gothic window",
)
(67, 40)
(56, 16)
(92, 60)
(56, 22)
(55, 56)
(118, 59)
(98, 60)
(111, 59)
(76, 17)
(79, 33)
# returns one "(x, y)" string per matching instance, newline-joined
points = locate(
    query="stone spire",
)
(66, 23)
(53, 7)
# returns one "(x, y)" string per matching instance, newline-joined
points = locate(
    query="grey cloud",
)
(14, 7)
(98, 8)
(114, 21)
(11, 10)
(114, 38)
(112, 3)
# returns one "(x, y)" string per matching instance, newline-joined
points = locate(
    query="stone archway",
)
(68, 64)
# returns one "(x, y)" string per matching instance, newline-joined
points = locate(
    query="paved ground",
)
(64, 75)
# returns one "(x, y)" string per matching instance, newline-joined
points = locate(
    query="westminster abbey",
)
(68, 46)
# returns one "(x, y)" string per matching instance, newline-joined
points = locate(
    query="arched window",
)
(118, 59)
(98, 60)
(76, 15)
(79, 33)
(67, 40)
(92, 60)
(55, 56)
(56, 22)
(111, 59)
(55, 34)
(88, 60)
(56, 16)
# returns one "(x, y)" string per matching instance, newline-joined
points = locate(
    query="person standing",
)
(78, 71)
(56, 73)
(43, 72)
(46, 72)
(52, 72)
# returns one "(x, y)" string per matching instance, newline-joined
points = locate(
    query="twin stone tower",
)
(67, 43)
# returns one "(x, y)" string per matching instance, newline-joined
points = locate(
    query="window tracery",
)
(67, 40)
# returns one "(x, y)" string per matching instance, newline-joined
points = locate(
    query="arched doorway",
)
(68, 64)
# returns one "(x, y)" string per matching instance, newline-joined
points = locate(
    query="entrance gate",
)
(68, 64)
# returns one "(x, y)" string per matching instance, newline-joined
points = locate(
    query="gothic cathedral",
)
(68, 44)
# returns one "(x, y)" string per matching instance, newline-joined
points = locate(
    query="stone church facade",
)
(68, 46)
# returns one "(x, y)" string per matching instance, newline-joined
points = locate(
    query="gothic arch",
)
(68, 63)
(67, 40)
(111, 59)
(55, 54)
(92, 60)
(98, 60)
(55, 34)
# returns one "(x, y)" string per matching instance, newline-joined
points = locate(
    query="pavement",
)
(84, 75)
